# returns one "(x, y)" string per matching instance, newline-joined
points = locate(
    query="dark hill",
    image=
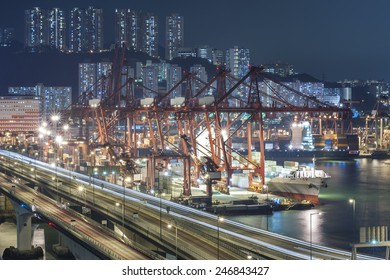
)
(53, 68)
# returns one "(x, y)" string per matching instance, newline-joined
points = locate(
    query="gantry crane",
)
(210, 118)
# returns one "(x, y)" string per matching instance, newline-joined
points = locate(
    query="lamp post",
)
(83, 191)
(95, 172)
(55, 179)
(43, 132)
(35, 167)
(58, 142)
(266, 189)
(55, 118)
(66, 129)
(170, 226)
(113, 177)
(219, 220)
(311, 233)
(124, 181)
(353, 202)
(159, 194)
(123, 212)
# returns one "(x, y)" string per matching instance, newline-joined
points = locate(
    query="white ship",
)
(295, 181)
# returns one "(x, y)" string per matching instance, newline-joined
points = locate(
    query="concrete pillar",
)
(23, 227)
(354, 253)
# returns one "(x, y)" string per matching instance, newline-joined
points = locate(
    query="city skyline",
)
(331, 41)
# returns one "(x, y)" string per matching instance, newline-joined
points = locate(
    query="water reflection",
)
(365, 180)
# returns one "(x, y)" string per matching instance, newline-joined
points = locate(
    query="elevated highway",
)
(101, 241)
(198, 235)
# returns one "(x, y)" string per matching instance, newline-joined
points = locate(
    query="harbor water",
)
(365, 180)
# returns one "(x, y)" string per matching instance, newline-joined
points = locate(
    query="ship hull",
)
(297, 188)
(309, 154)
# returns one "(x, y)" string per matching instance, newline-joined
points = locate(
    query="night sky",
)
(333, 39)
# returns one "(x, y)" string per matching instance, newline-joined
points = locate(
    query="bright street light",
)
(59, 139)
(55, 118)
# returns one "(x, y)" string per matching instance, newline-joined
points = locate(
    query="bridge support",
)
(23, 227)
(78, 251)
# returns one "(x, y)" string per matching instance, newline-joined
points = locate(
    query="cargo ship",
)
(295, 181)
(325, 146)
(302, 155)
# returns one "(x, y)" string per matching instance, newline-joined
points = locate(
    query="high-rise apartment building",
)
(45, 28)
(281, 69)
(86, 29)
(87, 79)
(237, 60)
(139, 30)
(201, 76)
(94, 79)
(173, 77)
(76, 29)
(52, 99)
(174, 38)
(34, 36)
(162, 70)
(127, 28)
(205, 52)
(103, 71)
(149, 27)
(150, 79)
(303, 83)
(7, 35)
(217, 57)
(56, 29)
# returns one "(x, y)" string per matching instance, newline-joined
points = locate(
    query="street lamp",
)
(170, 226)
(55, 118)
(124, 181)
(66, 128)
(123, 212)
(55, 179)
(266, 189)
(311, 233)
(95, 172)
(113, 177)
(353, 202)
(59, 141)
(219, 220)
(35, 167)
(83, 191)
